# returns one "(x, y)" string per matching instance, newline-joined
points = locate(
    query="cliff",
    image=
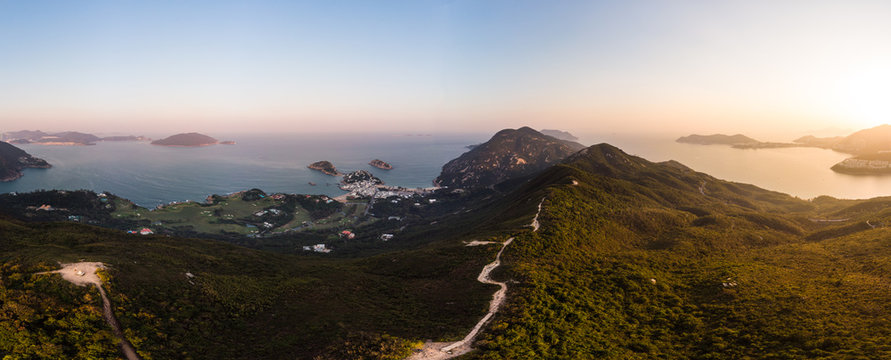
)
(378, 163)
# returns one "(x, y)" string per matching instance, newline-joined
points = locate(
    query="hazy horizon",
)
(759, 68)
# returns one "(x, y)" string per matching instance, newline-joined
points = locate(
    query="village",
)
(314, 223)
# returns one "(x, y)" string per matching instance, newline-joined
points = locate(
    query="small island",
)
(186, 140)
(380, 164)
(326, 167)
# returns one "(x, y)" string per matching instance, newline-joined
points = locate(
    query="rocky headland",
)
(13, 160)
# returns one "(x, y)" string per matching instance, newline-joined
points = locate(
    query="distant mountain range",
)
(62, 138)
(508, 154)
(559, 134)
(13, 160)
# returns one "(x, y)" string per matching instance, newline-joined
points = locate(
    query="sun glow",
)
(865, 97)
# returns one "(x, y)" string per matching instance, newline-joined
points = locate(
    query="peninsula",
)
(13, 160)
(326, 167)
(186, 140)
(380, 164)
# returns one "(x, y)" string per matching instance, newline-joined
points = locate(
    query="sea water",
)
(802, 172)
(150, 175)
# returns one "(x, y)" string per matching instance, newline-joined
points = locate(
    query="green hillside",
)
(634, 259)
(241, 303)
(636, 262)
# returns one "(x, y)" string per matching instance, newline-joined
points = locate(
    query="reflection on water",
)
(150, 175)
(801, 172)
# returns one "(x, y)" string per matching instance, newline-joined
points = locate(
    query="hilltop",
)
(13, 160)
(187, 139)
(508, 154)
(326, 167)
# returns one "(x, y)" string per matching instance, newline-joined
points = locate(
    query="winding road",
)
(445, 350)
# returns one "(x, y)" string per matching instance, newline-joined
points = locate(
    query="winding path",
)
(445, 350)
(84, 274)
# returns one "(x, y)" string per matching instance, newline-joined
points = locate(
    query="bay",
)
(151, 175)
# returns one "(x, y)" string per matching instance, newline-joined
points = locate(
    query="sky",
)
(754, 67)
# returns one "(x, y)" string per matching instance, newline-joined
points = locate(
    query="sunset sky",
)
(755, 67)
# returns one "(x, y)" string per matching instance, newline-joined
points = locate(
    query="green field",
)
(234, 215)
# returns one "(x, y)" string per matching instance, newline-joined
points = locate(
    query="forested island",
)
(186, 140)
(326, 167)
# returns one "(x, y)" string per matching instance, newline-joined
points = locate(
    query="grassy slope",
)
(244, 303)
(585, 288)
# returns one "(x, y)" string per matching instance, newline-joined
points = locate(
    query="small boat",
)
(312, 183)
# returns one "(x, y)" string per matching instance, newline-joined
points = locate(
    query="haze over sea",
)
(153, 175)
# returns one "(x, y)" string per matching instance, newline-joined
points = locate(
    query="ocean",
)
(801, 172)
(152, 175)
